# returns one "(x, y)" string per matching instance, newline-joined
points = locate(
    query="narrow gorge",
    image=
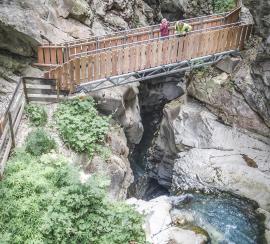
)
(178, 159)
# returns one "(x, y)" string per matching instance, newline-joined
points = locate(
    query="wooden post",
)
(152, 33)
(57, 89)
(239, 3)
(11, 130)
(66, 59)
(25, 91)
(97, 43)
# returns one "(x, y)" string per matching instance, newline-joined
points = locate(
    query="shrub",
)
(36, 114)
(223, 5)
(80, 125)
(43, 201)
(39, 142)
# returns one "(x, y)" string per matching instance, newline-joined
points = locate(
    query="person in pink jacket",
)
(164, 28)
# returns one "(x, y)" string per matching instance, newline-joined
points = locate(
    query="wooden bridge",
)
(139, 54)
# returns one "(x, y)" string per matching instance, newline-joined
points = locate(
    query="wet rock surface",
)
(158, 224)
(199, 218)
(210, 155)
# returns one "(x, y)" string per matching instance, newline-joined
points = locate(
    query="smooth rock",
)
(158, 223)
(232, 105)
(122, 102)
(217, 156)
(228, 64)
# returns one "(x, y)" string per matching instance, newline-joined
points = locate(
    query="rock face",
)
(59, 20)
(260, 10)
(210, 155)
(254, 81)
(254, 84)
(177, 9)
(159, 226)
(241, 102)
(116, 166)
(163, 153)
(123, 103)
(156, 92)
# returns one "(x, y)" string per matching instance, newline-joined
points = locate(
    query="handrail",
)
(141, 33)
(56, 54)
(63, 44)
(123, 59)
(153, 39)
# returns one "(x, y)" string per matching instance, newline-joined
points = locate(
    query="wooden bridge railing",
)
(53, 55)
(147, 54)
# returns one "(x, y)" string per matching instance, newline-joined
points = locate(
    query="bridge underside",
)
(147, 74)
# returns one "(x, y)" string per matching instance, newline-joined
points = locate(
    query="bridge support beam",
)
(151, 73)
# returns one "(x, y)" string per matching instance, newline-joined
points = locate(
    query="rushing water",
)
(226, 218)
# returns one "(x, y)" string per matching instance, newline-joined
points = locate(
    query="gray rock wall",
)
(208, 155)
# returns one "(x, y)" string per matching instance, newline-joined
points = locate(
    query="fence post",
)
(25, 91)
(66, 53)
(152, 32)
(97, 43)
(58, 89)
(11, 130)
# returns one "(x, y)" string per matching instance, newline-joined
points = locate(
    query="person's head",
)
(180, 23)
(164, 21)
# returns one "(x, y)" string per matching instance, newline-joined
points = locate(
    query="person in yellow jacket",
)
(182, 28)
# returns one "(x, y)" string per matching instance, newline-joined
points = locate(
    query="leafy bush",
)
(80, 125)
(43, 201)
(36, 114)
(39, 142)
(223, 5)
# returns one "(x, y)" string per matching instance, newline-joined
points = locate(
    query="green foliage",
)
(39, 142)
(103, 151)
(43, 201)
(36, 114)
(223, 5)
(80, 125)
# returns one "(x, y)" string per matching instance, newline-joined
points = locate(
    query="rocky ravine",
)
(223, 142)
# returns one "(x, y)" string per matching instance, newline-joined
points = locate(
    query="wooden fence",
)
(143, 55)
(29, 89)
(53, 55)
(9, 124)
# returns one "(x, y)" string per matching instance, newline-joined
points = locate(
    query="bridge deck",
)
(51, 55)
(111, 60)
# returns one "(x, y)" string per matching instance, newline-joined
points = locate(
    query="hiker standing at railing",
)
(182, 28)
(164, 27)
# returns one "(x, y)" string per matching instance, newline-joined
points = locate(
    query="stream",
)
(228, 219)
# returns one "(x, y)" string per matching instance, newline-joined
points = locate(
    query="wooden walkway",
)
(105, 61)
(102, 62)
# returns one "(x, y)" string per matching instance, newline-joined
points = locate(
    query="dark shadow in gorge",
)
(153, 96)
(143, 186)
